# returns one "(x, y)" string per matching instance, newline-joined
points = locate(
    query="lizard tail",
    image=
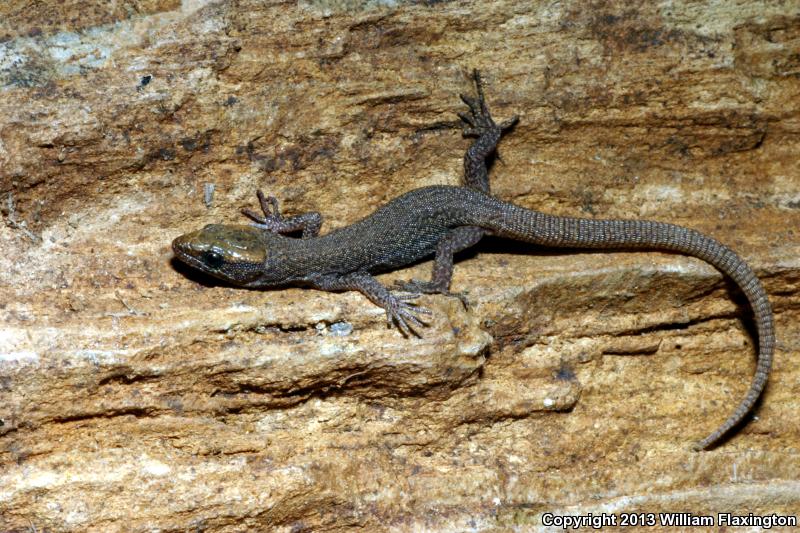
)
(539, 228)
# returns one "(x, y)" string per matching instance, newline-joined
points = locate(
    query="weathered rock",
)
(135, 395)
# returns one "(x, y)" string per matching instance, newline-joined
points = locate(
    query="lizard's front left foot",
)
(403, 313)
(430, 287)
(273, 221)
(272, 218)
(479, 121)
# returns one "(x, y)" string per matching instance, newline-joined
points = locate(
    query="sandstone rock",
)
(138, 396)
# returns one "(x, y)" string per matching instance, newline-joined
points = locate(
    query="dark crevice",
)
(295, 328)
(650, 350)
(127, 376)
(261, 328)
(669, 326)
(747, 321)
(111, 413)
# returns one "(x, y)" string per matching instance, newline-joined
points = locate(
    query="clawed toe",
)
(510, 123)
(415, 288)
(252, 215)
(269, 208)
(269, 205)
(479, 120)
(404, 316)
(412, 286)
(462, 297)
(473, 103)
(466, 118)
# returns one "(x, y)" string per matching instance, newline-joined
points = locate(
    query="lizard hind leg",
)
(480, 124)
(455, 241)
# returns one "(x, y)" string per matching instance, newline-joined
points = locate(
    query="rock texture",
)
(135, 396)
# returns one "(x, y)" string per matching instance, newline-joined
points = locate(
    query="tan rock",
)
(136, 396)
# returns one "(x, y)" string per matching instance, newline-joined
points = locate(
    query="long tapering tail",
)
(533, 226)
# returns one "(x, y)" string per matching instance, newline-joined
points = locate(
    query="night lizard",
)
(441, 221)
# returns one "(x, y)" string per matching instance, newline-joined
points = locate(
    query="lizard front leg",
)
(310, 223)
(398, 309)
(455, 241)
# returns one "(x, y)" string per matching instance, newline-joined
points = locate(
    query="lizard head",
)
(232, 253)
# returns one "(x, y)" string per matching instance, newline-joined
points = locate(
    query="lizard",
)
(442, 220)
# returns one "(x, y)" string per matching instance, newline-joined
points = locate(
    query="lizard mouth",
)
(186, 253)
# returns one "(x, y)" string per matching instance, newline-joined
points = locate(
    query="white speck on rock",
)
(155, 468)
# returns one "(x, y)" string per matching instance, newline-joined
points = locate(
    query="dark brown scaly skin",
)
(443, 220)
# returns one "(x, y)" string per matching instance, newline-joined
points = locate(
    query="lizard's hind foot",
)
(479, 123)
(479, 120)
(430, 287)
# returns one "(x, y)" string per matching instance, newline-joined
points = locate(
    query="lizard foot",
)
(403, 313)
(479, 120)
(430, 287)
(273, 221)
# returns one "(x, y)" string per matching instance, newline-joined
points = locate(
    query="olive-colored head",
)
(235, 254)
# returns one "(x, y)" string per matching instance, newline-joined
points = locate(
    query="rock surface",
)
(136, 396)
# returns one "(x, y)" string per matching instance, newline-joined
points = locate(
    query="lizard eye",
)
(213, 259)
